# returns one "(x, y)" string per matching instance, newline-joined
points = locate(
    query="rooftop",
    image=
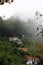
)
(23, 49)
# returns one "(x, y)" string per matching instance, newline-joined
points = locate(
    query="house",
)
(15, 39)
(36, 60)
(31, 60)
(23, 49)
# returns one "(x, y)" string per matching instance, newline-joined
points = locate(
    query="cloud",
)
(25, 8)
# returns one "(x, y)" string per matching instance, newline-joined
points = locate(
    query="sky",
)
(23, 8)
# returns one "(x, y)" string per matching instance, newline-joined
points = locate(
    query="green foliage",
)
(17, 27)
(32, 45)
(14, 27)
(9, 55)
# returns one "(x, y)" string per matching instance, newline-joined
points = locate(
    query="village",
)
(29, 60)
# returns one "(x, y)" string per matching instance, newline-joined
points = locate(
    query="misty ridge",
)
(17, 28)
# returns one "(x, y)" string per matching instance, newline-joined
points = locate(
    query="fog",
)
(23, 8)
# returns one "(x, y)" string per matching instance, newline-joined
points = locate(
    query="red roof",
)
(23, 49)
(31, 58)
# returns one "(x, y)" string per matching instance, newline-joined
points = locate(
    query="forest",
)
(10, 54)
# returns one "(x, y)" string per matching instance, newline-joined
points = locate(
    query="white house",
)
(15, 39)
(29, 62)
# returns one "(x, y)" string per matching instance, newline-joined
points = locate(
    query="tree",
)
(17, 28)
(7, 1)
(40, 27)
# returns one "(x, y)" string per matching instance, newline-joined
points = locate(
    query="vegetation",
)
(9, 52)
(9, 55)
(13, 27)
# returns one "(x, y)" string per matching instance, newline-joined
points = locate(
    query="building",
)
(23, 49)
(31, 60)
(15, 39)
